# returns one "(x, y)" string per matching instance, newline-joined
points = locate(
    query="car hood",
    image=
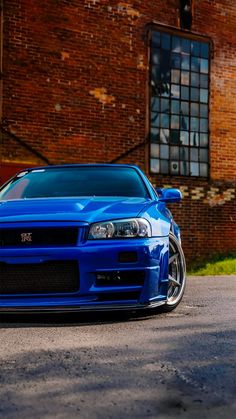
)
(85, 209)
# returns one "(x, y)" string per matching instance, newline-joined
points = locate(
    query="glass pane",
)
(155, 166)
(194, 94)
(175, 91)
(204, 81)
(204, 95)
(164, 166)
(185, 77)
(204, 50)
(203, 156)
(184, 168)
(185, 62)
(194, 139)
(204, 110)
(174, 136)
(154, 135)
(204, 140)
(185, 108)
(184, 153)
(184, 137)
(155, 103)
(194, 124)
(193, 154)
(195, 64)
(154, 87)
(203, 65)
(165, 41)
(175, 76)
(175, 60)
(194, 169)
(156, 39)
(163, 89)
(176, 46)
(155, 119)
(156, 75)
(164, 151)
(203, 169)
(174, 153)
(174, 167)
(195, 48)
(194, 109)
(184, 123)
(156, 57)
(175, 121)
(185, 46)
(165, 66)
(195, 80)
(164, 136)
(184, 93)
(165, 105)
(175, 106)
(165, 120)
(155, 150)
(203, 125)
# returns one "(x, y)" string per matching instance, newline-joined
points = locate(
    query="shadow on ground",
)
(193, 375)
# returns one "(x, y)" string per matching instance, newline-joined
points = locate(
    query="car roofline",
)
(64, 165)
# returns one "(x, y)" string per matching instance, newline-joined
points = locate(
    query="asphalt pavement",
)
(180, 364)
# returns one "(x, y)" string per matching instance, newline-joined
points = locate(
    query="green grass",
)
(217, 265)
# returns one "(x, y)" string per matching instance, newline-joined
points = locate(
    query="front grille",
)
(39, 278)
(45, 236)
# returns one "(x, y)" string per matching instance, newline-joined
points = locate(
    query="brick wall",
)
(75, 89)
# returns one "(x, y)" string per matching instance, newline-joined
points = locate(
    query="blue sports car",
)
(88, 237)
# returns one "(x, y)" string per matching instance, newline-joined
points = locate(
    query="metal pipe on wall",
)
(1, 77)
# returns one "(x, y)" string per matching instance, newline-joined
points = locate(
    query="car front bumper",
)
(127, 274)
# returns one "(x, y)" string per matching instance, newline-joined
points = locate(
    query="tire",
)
(176, 275)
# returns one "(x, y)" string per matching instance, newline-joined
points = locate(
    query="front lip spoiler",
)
(87, 308)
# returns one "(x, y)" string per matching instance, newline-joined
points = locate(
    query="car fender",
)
(160, 220)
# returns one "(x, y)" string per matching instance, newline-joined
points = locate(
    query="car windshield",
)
(75, 181)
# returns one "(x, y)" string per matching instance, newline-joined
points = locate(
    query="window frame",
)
(190, 37)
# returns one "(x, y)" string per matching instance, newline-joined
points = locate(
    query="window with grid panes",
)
(179, 134)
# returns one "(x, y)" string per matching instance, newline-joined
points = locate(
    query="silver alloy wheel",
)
(177, 274)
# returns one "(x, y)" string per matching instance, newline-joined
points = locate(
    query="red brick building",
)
(145, 82)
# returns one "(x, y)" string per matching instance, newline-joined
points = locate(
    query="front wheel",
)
(176, 275)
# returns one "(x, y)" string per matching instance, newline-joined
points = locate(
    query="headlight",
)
(120, 229)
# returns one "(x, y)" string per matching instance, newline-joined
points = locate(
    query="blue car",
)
(88, 237)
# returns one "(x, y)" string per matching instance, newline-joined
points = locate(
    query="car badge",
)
(26, 237)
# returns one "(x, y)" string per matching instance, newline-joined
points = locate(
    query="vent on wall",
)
(186, 14)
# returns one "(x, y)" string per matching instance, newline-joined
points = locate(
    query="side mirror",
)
(169, 195)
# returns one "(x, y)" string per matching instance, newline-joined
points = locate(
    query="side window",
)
(179, 105)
